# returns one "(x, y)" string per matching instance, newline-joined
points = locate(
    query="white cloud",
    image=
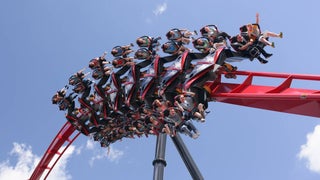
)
(160, 9)
(26, 161)
(60, 171)
(90, 145)
(310, 151)
(114, 155)
(24, 165)
(110, 153)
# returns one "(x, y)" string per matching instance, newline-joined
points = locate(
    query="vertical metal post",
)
(186, 157)
(159, 161)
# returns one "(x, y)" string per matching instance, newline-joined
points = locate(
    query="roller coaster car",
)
(150, 78)
(74, 79)
(129, 85)
(206, 68)
(114, 92)
(131, 82)
(174, 74)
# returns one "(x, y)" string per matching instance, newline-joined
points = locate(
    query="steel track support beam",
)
(159, 161)
(187, 158)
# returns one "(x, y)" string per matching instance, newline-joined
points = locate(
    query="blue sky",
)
(43, 42)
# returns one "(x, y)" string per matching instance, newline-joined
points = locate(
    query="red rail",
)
(55, 148)
(282, 98)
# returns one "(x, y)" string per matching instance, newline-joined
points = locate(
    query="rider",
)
(248, 49)
(187, 104)
(97, 104)
(81, 85)
(253, 31)
(148, 42)
(173, 48)
(77, 77)
(143, 54)
(121, 61)
(182, 125)
(157, 126)
(209, 30)
(59, 95)
(100, 71)
(218, 38)
(123, 51)
(98, 62)
(180, 35)
(203, 44)
(67, 103)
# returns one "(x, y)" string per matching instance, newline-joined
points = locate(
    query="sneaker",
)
(262, 61)
(281, 35)
(202, 120)
(195, 136)
(234, 68)
(195, 32)
(268, 55)
(272, 45)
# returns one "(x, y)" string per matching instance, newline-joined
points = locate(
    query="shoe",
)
(234, 68)
(195, 32)
(272, 45)
(195, 136)
(202, 120)
(281, 35)
(267, 55)
(262, 61)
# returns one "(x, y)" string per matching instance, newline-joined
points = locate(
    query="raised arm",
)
(257, 18)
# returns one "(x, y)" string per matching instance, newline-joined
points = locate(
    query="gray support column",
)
(159, 161)
(186, 157)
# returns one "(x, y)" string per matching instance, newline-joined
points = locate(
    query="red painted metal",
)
(282, 98)
(63, 137)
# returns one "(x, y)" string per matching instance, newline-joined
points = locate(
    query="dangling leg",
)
(191, 127)
(266, 42)
(272, 34)
(262, 61)
(185, 130)
(263, 52)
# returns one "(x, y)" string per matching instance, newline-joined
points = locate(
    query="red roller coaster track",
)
(282, 98)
